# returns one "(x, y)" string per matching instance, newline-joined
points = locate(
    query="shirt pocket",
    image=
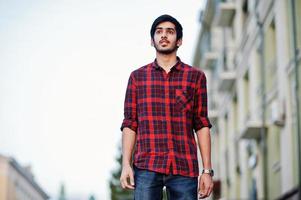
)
(184, 100)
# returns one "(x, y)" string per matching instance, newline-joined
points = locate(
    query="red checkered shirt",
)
(164, 109)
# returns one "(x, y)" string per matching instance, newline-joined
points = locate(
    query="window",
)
(270, 58)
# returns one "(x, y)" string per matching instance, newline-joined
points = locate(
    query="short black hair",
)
(167, 18)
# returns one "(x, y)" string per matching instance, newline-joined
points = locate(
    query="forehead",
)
(166, 25)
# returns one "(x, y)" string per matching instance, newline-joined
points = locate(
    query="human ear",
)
(179, 42)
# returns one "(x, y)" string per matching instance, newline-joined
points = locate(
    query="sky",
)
(64, 66)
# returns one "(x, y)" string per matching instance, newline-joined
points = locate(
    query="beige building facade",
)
(251, 51)
(17, 182)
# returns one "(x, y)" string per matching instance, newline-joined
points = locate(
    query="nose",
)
(164, 35)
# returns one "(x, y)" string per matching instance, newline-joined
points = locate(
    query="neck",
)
(166, 61)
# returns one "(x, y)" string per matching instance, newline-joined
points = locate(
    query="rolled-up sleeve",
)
(130, 105)
(200, 118)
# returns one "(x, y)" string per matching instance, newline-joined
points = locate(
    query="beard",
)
(166, 51)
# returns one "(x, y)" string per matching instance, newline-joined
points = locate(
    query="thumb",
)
(132, 179)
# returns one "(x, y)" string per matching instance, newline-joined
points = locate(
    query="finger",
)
(132, 181)
(128, 185)
(201, 189)
(202, 196)
(121, 183)
(124, 183)
(204, 192)
(207, 190)
(211, 189)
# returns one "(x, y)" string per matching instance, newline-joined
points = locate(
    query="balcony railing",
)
(210, 59)
(252, 130)
(227, 80)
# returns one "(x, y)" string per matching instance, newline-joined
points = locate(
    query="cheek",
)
(156, 40)
(157, 37)
(174, 41)
(173, 38)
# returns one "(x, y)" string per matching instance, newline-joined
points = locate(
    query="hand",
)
(205, 186)
(127, 175)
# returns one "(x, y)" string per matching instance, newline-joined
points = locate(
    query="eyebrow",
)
(165, 28)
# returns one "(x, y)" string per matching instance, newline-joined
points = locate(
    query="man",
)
(165, 101)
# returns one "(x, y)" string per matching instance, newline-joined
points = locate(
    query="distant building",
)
(250, 51)
(17, 182)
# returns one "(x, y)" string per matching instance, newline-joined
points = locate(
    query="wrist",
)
(207, 163)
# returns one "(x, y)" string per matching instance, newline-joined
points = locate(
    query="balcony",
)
(226, 80)
(225, 14)
(252, 130)
(210, 59)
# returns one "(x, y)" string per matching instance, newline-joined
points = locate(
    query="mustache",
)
(163, 40)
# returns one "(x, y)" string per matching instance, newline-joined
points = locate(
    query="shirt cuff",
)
(129, 124)
(202, 122)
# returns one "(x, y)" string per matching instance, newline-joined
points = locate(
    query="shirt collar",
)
(177, 66)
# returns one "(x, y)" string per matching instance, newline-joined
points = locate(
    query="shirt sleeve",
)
(130, 106)
(200, 118)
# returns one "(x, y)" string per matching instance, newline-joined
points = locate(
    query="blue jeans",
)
(149, 186)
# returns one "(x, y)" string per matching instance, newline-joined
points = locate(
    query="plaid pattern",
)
(164, 109)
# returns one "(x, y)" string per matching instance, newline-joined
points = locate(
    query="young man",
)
(165, 101)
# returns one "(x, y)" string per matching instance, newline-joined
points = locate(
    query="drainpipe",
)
(263, 140)
(296, 63)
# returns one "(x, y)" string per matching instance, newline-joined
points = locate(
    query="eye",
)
(158, 31)
(170, 31)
